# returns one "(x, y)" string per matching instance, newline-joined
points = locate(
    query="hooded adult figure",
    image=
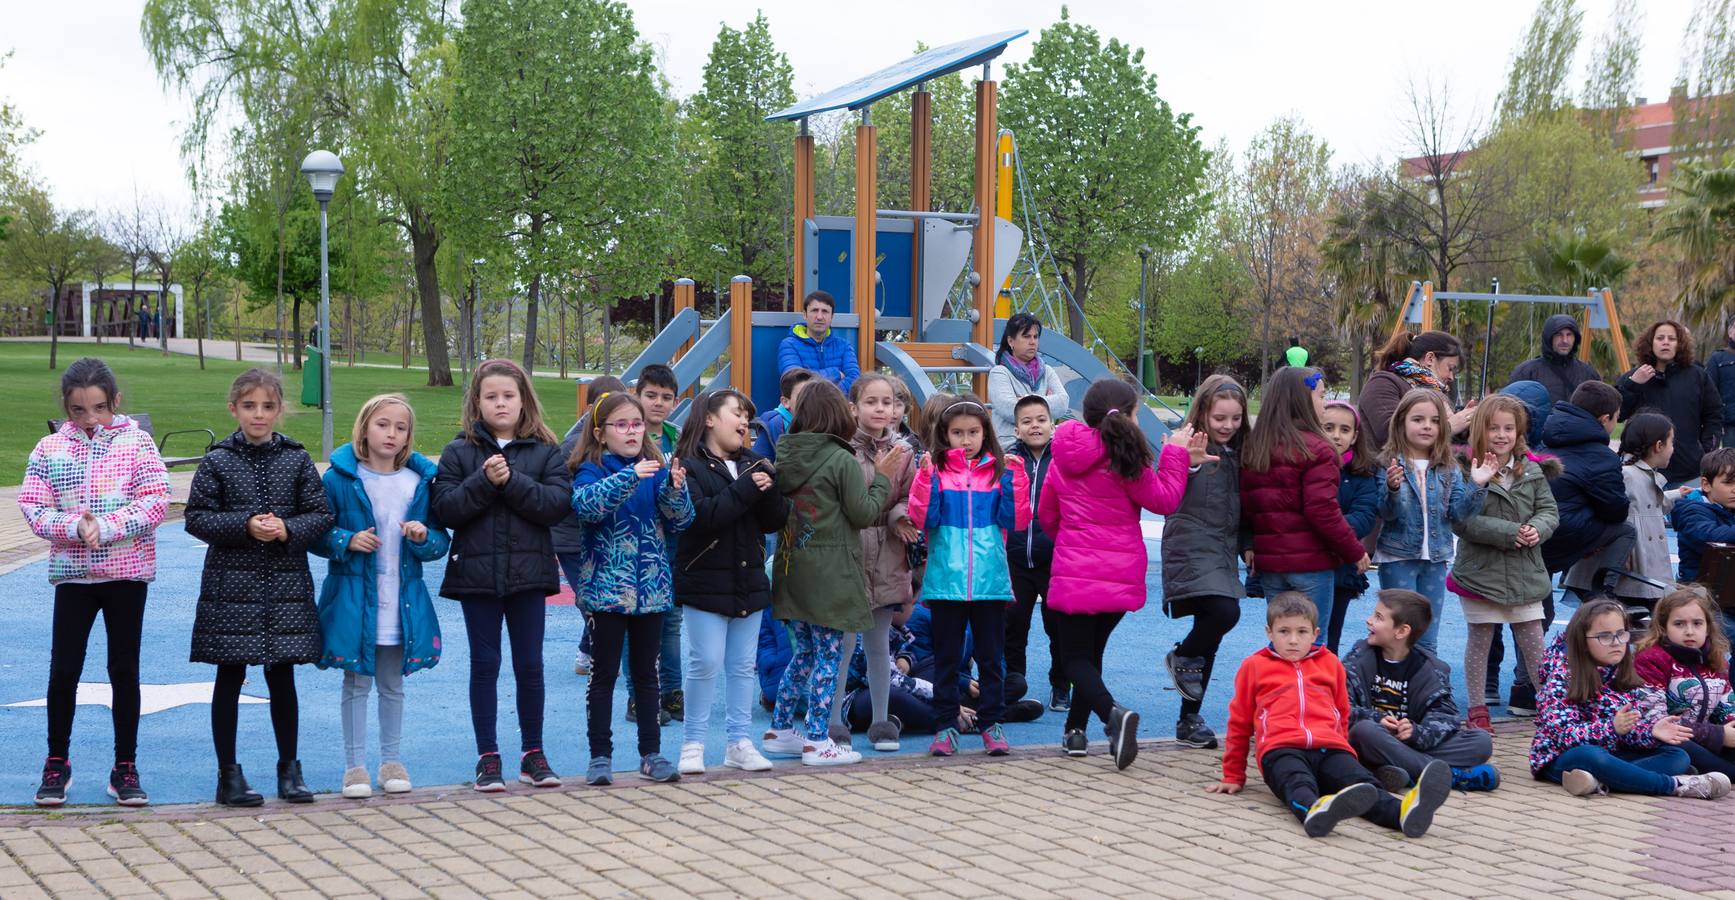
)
(1558, 368)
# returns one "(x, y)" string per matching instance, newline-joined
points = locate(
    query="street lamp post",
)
(1144, 265)
(322, 169)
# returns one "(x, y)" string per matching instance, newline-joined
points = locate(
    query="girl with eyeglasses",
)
(630, 501)
(1595, 730)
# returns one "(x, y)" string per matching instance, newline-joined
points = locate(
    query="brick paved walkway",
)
(1033, 825)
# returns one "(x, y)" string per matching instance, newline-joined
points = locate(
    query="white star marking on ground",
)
(152, 697)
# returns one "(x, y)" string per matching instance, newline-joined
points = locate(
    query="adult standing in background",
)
(1667, 380)
(1558, 368)
(812, 346)
(1430, 359)
(1019, 372)
(1721, 367)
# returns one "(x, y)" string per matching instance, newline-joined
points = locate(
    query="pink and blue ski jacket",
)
(967, 513)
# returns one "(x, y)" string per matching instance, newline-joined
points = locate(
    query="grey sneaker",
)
(1710, 786)
(1188, 674)
(1393, 779)
(1123, 736)
(657, 767)
(1191, 731)
(884, 735)
(601, 771)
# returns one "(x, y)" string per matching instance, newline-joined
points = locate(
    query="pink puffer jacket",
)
(1099, 549)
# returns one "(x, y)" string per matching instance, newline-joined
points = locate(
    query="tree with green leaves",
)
(198, 262)
(1536, 80)
(1700, 220)
(1200, 299)
(559, 144)
(247, 236)
(47, 245)
(1703, 100)
(1109, 165)
(1611, 87)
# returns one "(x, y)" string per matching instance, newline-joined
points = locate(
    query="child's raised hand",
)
(496, 470)
(678, 475)
(1669, 730)
(1485, 470)
(415, 531)
(1625, 718)
(1181, 437)
(89, 531)
(1198, 449)
(1394, 474)
(645, 468)
(891, 462)
(364, 541)
(763, 481)
(1224, 787)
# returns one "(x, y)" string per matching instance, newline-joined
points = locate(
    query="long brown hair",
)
(1405, 345)
(1398, 446)
(1716, 641)
(922, 418)
(530, 423)
(1285, 416)
(591, 445)
(1111, 406)
(1210, 391)
(1479, 422)
(966, 405)
(1683, 344)
(1583, 677)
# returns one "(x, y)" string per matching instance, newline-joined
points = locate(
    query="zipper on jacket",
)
(1301, 689)
(689, 566)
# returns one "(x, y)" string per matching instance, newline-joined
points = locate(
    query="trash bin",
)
(1148, 370)
(310, 383)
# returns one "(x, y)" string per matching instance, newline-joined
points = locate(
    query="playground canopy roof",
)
(924, 66)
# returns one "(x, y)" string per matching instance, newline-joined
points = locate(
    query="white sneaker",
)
(692, 759)
(784, 742)
(828, 753)
(394, 778)
(356, 784)
(581, 665)
(744, 756)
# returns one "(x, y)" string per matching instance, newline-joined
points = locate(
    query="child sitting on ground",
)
(1685, 660)
(1304, 748)
(1710, 519)
(1400, 697)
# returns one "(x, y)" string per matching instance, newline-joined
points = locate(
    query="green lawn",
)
(178, 395)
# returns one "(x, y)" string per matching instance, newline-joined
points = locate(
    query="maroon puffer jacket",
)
(1292, 507)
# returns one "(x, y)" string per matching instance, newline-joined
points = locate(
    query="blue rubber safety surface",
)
(178, 765)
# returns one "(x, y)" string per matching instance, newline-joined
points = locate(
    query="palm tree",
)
(1700, 221)
(1369, 268)
(1569, 263)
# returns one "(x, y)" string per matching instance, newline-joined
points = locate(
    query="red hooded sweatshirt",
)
(1279, 704)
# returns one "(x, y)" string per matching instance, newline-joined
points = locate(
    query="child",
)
(1594, 733)
(1647, 444)
(818, 585)
(1201, 571)
(961, 496)
(1590, 492)
(628, 501)
(720, 573)
(1425, 489)
(257, 503)
(1359, 493)
(1499, 575)
(501, 485)
(96, 490)
(568, 534)
(657, 391)
(1289, 482)
(1030, 554)
(776, 421)
(1712, 519)
(884, 557)
(376, 620)
(1101, 478)
(1685, 660)
(1305, 755)
(907, 411)
(1400, 695)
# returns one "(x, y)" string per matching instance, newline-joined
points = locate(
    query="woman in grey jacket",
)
(1020, 372)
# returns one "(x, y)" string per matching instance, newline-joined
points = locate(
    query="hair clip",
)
(1312, 381)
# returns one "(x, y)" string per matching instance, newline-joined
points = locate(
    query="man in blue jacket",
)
(813, 347)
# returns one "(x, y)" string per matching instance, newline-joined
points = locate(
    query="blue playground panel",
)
(178, 765)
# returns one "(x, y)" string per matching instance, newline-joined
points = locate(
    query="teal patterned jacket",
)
(627, 522)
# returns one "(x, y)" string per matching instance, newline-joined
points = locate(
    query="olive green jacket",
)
(818, 576)
(1489, 562)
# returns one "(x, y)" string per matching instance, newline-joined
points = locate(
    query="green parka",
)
(1489, 562)
(818, 576)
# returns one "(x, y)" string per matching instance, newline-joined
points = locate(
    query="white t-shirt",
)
(733, 467)
(1421, 469)
(390, 495)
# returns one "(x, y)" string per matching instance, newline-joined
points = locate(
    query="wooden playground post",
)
(985, 290)
(866, 215)
(921, 183)
(1427, 306)
(684, 289)
(803, 212)
(741, 334)
(1622, 356)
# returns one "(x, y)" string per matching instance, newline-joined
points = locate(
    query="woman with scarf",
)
(1430, 359)
(1018, 373)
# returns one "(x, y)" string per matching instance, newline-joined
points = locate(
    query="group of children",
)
(835, 513)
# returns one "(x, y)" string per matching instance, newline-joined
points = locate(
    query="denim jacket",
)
(1451, 497)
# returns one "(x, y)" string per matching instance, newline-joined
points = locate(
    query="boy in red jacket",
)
(1292, 699)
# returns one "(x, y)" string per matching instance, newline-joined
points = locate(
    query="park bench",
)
(143, 420)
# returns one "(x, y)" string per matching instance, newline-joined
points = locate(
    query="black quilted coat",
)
(500, 535)
(256, 597)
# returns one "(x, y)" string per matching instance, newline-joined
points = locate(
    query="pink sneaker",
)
(994, 741)
(945, 743)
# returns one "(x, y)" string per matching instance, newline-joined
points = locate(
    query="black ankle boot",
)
(232, 789)
(290, 787)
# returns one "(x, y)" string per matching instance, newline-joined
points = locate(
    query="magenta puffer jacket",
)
(1099, 549)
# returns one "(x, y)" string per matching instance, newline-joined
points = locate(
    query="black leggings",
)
(640, 635)
(1213, 617)
(1083, 637)
(226, 709)
(122, 604)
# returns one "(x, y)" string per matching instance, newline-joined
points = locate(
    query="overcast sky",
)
(79, 72)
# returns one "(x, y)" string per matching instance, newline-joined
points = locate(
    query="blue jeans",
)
(1425, 578)
(1320, 587)
(1624, 771)
(524, 615)
(729, 645)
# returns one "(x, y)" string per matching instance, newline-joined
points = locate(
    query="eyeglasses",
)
(627, 427)
(1312, 381)
(1612, 638)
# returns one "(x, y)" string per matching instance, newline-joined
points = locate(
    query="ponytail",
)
(1111, 407)
(1405, 345)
